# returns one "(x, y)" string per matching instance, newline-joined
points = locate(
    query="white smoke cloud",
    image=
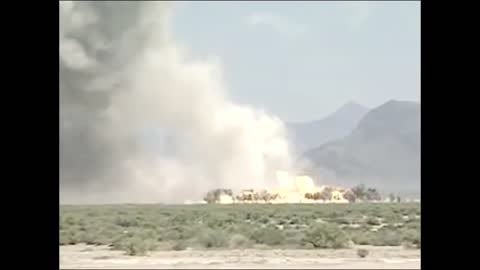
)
(122, 73)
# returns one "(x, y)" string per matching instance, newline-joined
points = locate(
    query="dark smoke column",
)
(98, 43)
(121, 73)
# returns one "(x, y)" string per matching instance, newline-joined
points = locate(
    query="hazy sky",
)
(302, 60)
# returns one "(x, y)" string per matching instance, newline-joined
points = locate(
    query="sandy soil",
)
(82, 256)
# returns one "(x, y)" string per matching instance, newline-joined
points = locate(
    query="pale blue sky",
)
(303, 60)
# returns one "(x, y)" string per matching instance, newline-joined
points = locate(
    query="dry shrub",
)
(209, 238)
(179, 245)
(362, 253)
(326, 235)
(387, 238)
(238, 241)
(268, 236)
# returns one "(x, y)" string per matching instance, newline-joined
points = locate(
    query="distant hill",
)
(307, 135)
(383, 151)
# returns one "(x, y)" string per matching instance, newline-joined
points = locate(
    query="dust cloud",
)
(121, 73)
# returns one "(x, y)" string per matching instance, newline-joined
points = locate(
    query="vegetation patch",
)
(138, 229)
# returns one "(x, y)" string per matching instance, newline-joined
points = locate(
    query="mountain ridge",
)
(307, 135)
(383, 150)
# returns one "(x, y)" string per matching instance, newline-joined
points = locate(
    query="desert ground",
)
(101, 257)
(325, 236)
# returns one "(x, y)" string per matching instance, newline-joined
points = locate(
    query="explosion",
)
(290, 189)
(122, 74)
